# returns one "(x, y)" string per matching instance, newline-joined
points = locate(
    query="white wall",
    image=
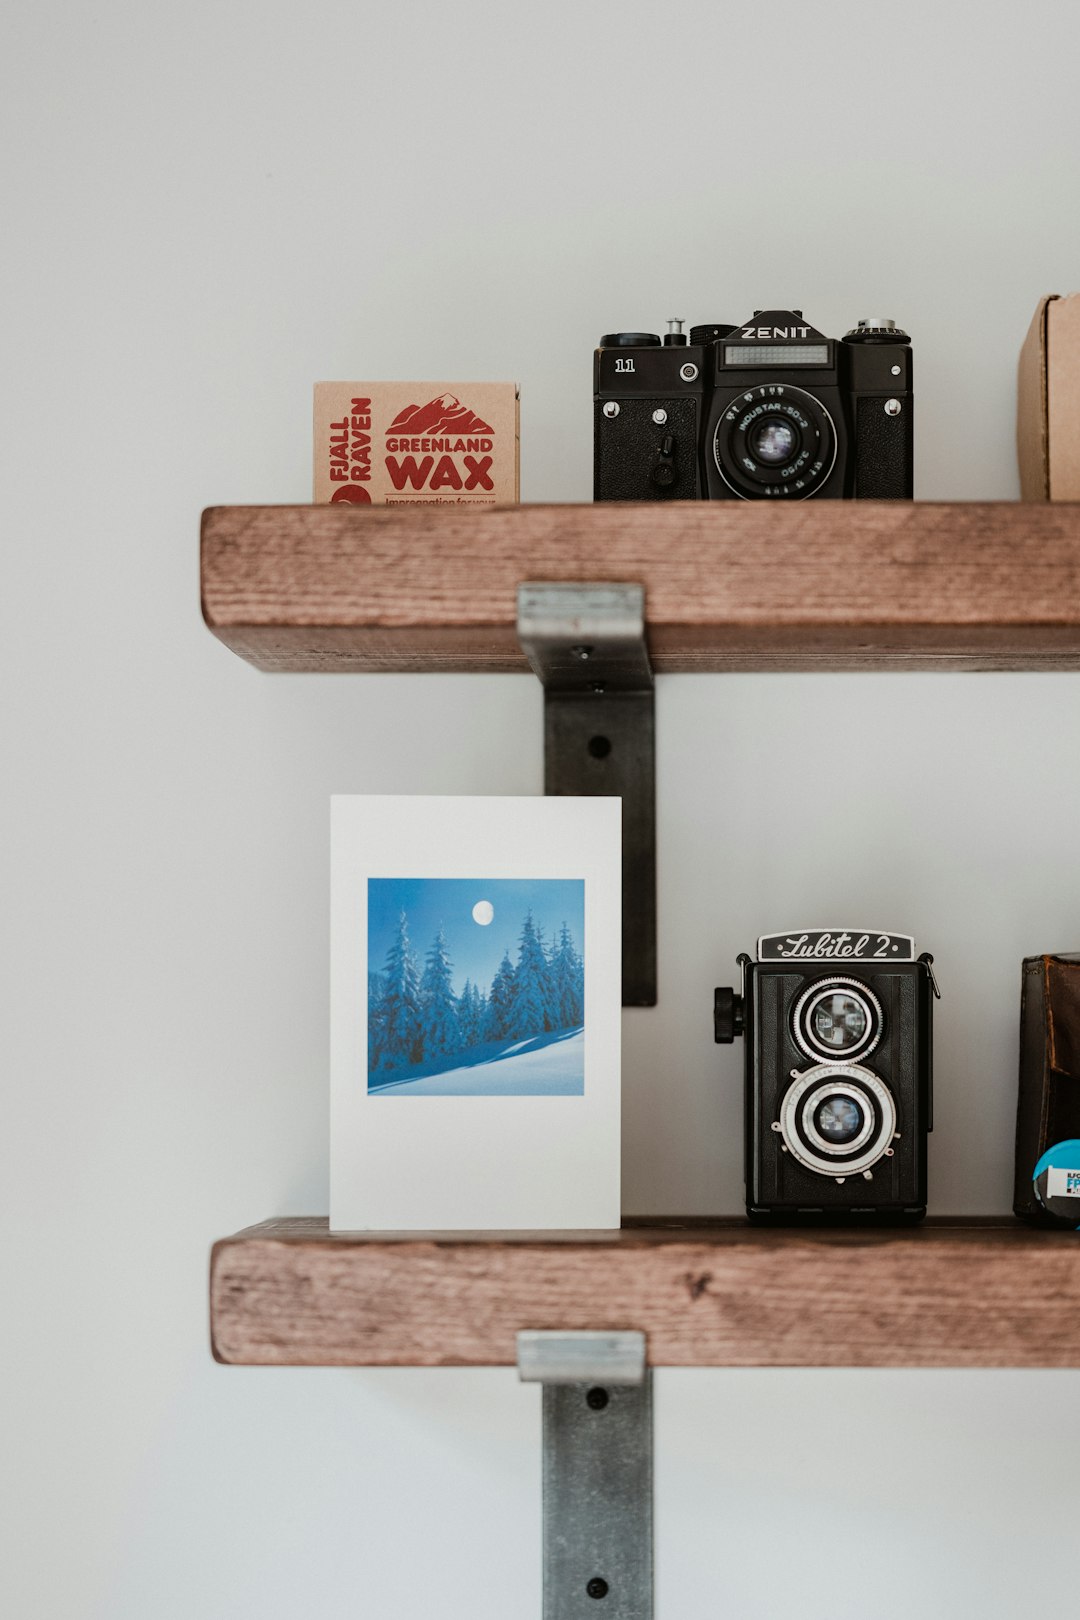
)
(206, 207)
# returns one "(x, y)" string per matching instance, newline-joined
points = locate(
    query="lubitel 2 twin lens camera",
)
(771, 409)
(838, 1075)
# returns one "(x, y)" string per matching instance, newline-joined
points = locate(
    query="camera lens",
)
(773, 441)
(839, 1119)
(839, 1021)
(837, 1018)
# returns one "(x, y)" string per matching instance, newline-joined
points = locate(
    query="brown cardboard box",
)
(414, 444)
(1048, 402)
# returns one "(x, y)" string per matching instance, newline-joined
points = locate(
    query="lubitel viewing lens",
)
(839, 1022)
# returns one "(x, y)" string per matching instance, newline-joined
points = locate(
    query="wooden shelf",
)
(944, 1294)
(824, 585)
(820, 586)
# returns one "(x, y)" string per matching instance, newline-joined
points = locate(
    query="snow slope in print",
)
(544, 1066)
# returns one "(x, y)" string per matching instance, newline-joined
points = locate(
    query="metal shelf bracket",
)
(598, 1476)
(586, 643)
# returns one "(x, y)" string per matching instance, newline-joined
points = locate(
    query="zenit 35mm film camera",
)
(770, 410)
(839, 1075)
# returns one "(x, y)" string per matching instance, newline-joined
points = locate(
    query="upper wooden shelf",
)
(722, 1294)
(827, 585)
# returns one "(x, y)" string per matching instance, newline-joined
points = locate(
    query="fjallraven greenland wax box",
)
(1048, 402)
(415, 444)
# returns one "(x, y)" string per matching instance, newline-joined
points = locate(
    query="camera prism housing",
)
(838, 1028)
(770, 410)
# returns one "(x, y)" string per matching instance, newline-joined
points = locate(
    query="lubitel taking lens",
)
(839, 1119)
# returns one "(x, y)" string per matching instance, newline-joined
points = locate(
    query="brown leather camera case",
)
(1048, 1107)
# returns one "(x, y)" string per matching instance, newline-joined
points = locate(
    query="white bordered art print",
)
(476, 949)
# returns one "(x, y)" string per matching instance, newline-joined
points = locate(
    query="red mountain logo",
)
(443, 415)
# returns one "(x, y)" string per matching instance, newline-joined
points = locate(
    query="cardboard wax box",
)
(1048, 402)
(416, 443)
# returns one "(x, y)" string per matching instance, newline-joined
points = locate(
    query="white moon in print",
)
(483, 912)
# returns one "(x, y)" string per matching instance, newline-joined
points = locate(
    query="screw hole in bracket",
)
(599, 747)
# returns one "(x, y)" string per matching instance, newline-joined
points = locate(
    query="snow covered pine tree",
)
(568, 981)
(438, 1004)
(500, 1002)
(532, 1010)
(468, 1015)
(394, 1033)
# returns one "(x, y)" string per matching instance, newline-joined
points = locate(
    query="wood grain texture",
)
(729, 585)
(945, 1294)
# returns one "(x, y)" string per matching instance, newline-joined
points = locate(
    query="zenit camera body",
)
(839, 1075)
(771, 410)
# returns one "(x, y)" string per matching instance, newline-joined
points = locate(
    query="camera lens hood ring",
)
(802, 399)
(859, 991)
(811, 1089)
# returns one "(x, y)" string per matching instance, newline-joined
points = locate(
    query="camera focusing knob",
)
(727, 1015)
(876, 329)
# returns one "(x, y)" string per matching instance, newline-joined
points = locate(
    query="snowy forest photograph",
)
(476, 988)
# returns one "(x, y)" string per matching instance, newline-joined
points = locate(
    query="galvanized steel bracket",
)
(598, 1487)
(586, 643)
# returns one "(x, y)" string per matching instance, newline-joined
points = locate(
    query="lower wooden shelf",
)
(723, 1294)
